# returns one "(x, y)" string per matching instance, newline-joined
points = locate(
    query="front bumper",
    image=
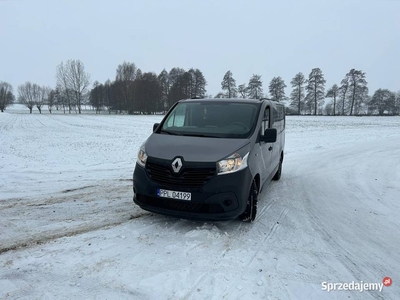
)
(223, 197)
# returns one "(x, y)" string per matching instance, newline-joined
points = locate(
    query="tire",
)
(278, 173)
(250, 213)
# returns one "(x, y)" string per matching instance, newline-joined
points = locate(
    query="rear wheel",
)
(250, 213)
(278, 173)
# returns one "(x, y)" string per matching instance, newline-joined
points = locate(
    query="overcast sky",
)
(269, 38)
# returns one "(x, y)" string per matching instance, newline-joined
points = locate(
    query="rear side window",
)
(278, 114)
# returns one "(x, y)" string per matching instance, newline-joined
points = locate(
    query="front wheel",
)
(250, 213)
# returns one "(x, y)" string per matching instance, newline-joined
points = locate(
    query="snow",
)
(69, 228)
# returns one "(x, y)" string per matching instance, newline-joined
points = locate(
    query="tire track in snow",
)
(195, 285)
(69, 233)
(7, 122)
(23, 202)
(268, 235)
(259, 247)
(340, 220)
(265, 208)
(65, 214)
(39, 119)
(342, 254)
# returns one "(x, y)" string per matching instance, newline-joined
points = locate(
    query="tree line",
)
(136, 92)
(308, 94)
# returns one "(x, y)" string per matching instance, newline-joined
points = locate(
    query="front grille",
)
(182, 206)
(189, 177)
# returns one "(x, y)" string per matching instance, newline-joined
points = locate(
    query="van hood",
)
(196, 149)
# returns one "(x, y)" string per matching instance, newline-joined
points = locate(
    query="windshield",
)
(212, 119)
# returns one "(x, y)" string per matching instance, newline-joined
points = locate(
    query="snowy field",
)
(69, 228)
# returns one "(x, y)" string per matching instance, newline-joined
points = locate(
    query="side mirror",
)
(270, 135)
(155, 126)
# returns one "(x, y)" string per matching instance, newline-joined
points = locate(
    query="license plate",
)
(174, 194)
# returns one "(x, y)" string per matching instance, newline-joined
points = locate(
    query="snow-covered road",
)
(69, 228)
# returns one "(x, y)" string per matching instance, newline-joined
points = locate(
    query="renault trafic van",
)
(209, 158)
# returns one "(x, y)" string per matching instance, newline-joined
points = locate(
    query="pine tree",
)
(199, 84)
(164, 82)
(228, 84)
(297, 94)
(148, 93)
(125, 76)
(220, 95)
(277, 89)
(343, 90)
(315, 89)
(357, 87)
(333, 92)
(242, 90)
(254, 88)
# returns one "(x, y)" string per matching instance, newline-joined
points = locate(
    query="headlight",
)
(232, 164)
(142, 156)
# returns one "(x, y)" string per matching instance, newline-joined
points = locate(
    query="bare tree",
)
(6, 95)
(42, 96)
(51, 99)
(74, 81)
(29, 94)
(64, 87)
(126, 72)
(61, 98)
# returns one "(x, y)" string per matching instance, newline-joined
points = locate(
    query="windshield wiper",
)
(201, 135)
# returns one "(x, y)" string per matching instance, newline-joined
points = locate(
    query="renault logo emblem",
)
(177, 165)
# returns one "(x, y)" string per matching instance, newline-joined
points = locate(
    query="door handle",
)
(270, 148)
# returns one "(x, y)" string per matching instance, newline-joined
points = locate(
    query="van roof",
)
(238, 100)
